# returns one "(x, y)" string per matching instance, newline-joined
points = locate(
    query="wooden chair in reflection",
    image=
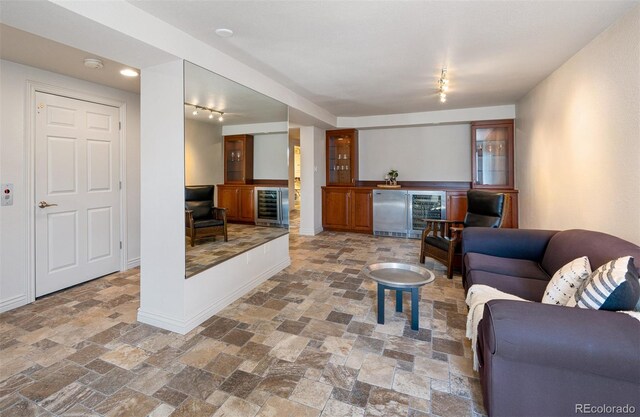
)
(202, 219)
(441, 238)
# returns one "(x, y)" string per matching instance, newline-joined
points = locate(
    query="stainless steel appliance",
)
(272, 206)
(390, 213)
(400, 212)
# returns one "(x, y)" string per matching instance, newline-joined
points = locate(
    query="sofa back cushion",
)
(600, 248)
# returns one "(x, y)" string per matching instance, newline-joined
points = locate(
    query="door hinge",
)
(119, 125)
(120, 244)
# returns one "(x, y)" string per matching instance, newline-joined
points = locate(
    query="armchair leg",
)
(193, 236)
(450, 255)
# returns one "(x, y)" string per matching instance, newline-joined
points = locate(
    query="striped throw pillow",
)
(566, 281)
(614, 286)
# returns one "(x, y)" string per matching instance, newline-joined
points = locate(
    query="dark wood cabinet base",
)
(347, 209)
(350, 209)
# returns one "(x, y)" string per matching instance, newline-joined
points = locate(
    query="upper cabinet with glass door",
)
(492, 147)
(238, 159)
(342, 157)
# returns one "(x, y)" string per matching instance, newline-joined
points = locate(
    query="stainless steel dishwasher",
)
(390, 212)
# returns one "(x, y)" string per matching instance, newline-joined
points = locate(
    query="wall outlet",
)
(7, 195)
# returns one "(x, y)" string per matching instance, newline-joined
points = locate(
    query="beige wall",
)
(419, 153)
(270, 156)
(203, 161)
(14, 265)
(578, 139)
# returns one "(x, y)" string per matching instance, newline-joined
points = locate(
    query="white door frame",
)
(29, 151)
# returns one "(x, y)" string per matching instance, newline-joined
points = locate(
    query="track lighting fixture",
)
(443, 85)
(211, 111)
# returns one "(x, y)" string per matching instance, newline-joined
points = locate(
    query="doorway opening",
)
(295, 182)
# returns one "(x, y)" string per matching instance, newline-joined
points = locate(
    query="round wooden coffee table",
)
(400, 277)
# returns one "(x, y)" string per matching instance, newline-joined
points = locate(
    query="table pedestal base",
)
(399, 291)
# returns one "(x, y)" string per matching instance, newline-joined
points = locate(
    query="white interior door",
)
(77, 170)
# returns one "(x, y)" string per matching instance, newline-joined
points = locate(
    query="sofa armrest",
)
(604, 343)
(506, 243)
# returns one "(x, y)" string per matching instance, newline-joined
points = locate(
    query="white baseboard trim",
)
(310, 232)
(13, 302)
(133, 263)
(162, 321)
(185, 326)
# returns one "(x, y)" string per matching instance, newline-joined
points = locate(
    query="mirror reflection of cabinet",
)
(492, 147)
(238, 159)
(342, 157)
(238, 201)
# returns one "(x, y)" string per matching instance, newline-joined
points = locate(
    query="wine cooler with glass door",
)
(272, 206)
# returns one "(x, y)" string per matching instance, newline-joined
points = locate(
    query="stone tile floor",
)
(304, 343)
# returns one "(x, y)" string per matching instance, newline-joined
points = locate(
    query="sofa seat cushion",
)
(505, 266)
(528, 288)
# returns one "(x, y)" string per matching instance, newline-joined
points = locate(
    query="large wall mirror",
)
(236, 169)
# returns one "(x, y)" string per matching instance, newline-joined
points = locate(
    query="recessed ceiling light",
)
(224, 33)
(128, 72)
(93, 63)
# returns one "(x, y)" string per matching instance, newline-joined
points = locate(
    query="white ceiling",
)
(28, 49)
(358, 58)
(52, 21)
(241, 105)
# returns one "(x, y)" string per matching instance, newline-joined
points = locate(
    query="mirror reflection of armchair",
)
(441, 238)
(202, 219)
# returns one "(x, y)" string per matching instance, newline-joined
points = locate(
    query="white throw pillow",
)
(566, 281)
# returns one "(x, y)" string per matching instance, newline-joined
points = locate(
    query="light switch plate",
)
(7, 195)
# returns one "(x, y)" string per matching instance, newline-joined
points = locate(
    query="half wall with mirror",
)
(236, 169)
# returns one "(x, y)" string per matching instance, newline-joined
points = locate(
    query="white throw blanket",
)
(634, 314)
(477, 296)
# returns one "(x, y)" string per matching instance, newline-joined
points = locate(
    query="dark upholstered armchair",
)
(202, 219)
(441, 238)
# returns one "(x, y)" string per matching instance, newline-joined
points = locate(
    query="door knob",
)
(44, 204)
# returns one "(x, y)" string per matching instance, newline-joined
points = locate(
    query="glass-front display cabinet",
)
(238, 159)
(342, 157)
(492, 147)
